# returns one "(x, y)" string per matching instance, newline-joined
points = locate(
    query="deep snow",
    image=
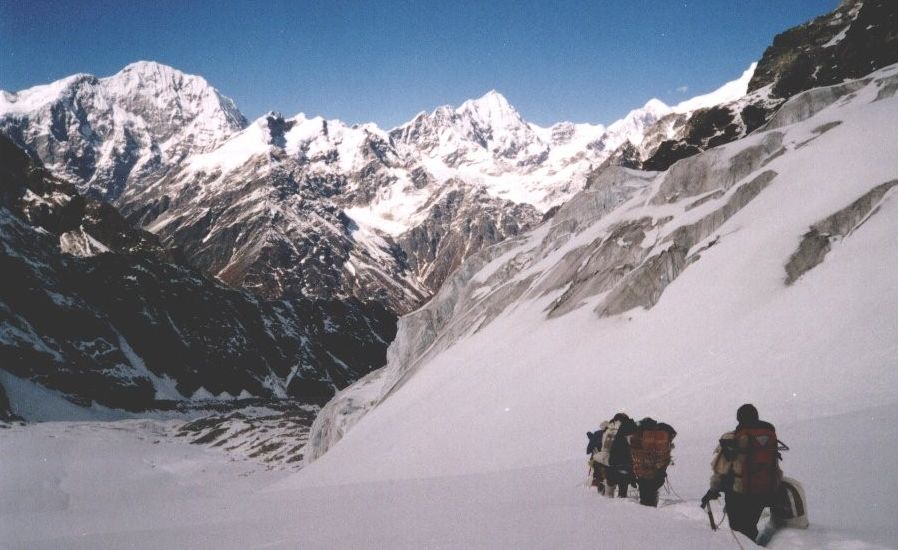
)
(128, 484)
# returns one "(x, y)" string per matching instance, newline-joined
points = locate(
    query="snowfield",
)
(128, 484)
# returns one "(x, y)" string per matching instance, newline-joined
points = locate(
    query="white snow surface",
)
(731, 91)
(129, 484)
(817, 355)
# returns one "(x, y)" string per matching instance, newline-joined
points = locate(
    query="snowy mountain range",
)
(363, 211)
(619, 243)
(309, 209)
(739, 247)
(305, 210)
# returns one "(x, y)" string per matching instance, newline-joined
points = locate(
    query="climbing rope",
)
(668, 486)
(735, 538)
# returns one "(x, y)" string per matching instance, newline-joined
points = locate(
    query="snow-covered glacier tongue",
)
(678, 277)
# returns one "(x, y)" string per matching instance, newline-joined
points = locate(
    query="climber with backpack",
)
(746, 469)
(593, 448)
(613, 458)
(650, 449)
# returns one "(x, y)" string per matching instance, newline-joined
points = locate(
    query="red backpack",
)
(757, 471)
(650, 450)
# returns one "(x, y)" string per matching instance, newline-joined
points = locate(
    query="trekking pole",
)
(707, 507)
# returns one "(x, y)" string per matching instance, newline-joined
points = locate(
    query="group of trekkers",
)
(624, 453)
(745, 466)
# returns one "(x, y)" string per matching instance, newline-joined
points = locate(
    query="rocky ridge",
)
(858, 37)
(101, 312)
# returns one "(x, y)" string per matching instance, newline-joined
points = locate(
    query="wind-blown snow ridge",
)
(730, 91)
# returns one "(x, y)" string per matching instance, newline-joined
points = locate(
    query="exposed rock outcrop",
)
(816, 243)
(848, 43)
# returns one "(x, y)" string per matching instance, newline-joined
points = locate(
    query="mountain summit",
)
(130, 128)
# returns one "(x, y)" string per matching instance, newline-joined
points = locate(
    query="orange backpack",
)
(650, 450)
(757, 470)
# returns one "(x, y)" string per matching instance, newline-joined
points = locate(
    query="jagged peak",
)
(491, 103)
(34, 98)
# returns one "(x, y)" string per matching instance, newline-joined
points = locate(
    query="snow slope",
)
(128, 484)
(731, 91)
(522, 353)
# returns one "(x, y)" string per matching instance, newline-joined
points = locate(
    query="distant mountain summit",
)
(106, 133)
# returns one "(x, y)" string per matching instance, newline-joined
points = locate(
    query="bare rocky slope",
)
(103, 313)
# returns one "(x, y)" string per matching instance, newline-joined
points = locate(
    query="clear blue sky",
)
(386, 60)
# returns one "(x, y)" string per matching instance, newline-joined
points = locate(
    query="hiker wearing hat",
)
(746, 469)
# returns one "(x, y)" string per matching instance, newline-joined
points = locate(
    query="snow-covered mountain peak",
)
(148, 84)
(656, 106)
(730, 91)
(632, 127)
(491, 110)
(145, 70)
(134, 126)
(37, 97)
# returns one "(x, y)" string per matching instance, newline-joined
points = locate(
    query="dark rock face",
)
(129, 329)
(855, 39)
(627, 156)
(669, 152)
(6, 414)
(460, 223)
(292, 241)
